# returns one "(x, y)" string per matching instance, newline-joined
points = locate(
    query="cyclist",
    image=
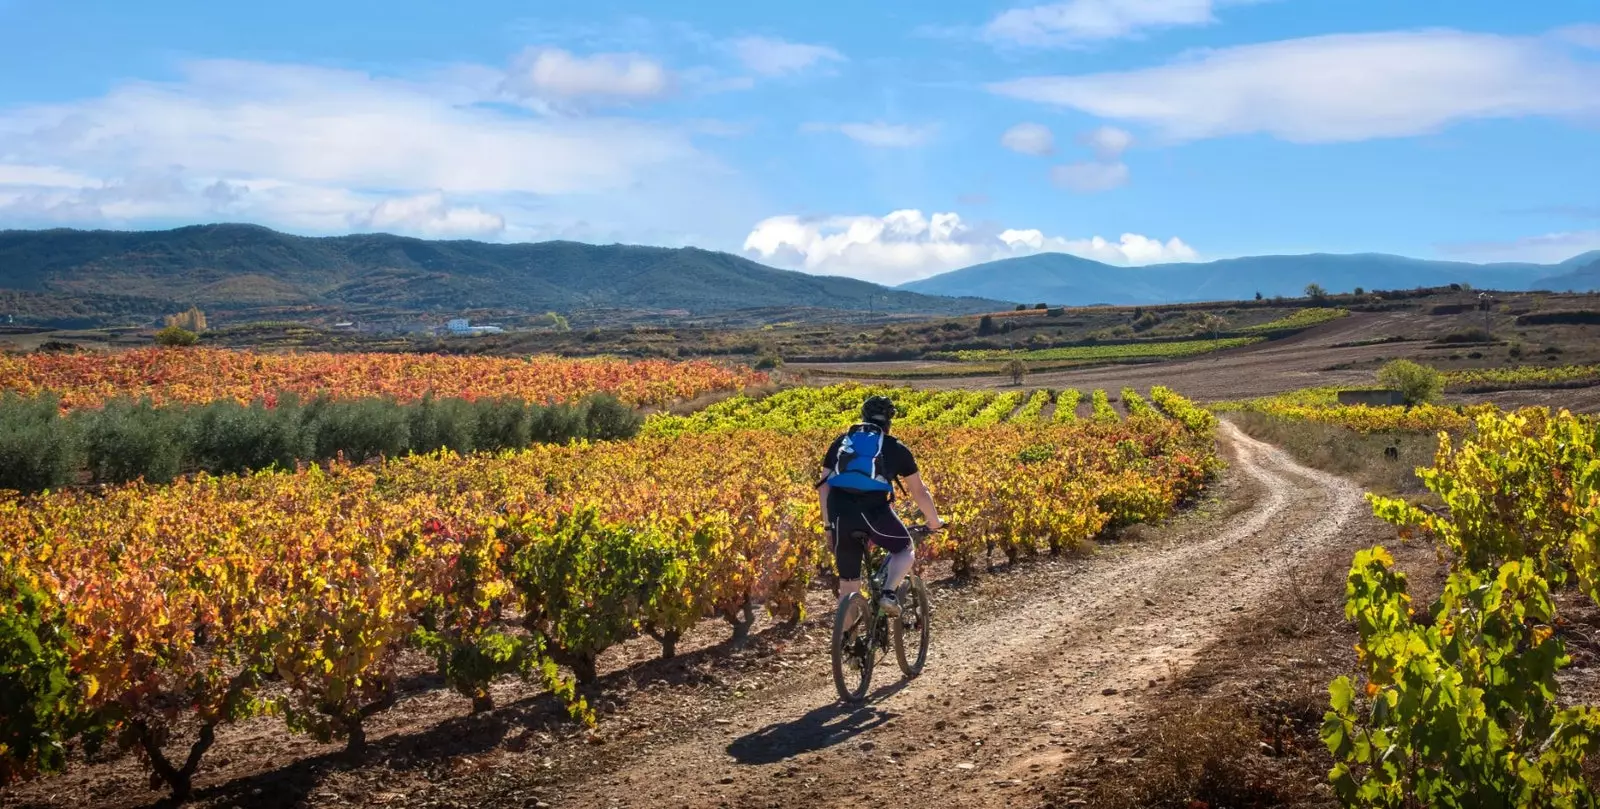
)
(859, 472)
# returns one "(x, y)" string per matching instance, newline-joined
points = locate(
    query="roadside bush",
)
(127, 440)
(556, 424)
(1418, 383)
(1467, 336)
(38, 448)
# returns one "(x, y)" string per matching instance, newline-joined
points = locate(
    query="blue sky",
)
(887, 141)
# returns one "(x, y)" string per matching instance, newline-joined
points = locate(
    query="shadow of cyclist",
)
(821, 728)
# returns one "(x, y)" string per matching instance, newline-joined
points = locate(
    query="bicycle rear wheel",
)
(912, 629)
(853, 655)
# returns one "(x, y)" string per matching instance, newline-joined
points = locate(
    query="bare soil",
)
(1037, 673)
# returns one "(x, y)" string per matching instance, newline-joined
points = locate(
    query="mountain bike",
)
(863, 633)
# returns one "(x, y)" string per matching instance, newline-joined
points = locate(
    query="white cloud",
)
(898, 136)
(1029, 139)
(552, 74)
(1090, 177)
(429, 215)
(1548, 248)
(1108, 142)
(1335, 88)
(316, 149)
(1585, 35)
(1076, 22)
(776, 57)
(906, 245)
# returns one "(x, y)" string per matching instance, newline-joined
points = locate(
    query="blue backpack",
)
(857, 466)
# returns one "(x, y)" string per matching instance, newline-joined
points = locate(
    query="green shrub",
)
(127, 440)
(226, 436)
(606, 418)
(39, 709)
(503, 424)
(359, 430)
(38, 448)
(175, 336)
(557, 424)
(437, 424)
(1419, 384)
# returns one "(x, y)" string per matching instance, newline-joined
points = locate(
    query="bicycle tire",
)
(855, 605)
(914, 604)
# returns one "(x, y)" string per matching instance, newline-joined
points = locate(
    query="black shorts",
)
(878, 524)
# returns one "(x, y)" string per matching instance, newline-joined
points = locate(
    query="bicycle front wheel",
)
(912, 629)
(853, 655)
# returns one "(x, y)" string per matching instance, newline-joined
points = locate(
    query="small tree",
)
(1041, 307)
(1258, 296)
(986, 326)
(1418, 384)
(1360, 291)
(1022, 307)
(176, 336)
(1016, 369)
(1316, 292)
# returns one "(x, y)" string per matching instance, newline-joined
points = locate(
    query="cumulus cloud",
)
(1585, 35)
(767, 56)
(1547, 248)
(1336, 88)
(429, 215)
(1108, 142)
(894, 136)
(1090, 177)
(1029, 139)
(553, 74)
(1077, 22)
(906, 245)
(317, 149)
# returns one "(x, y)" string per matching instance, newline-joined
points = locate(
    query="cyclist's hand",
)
(935, 524)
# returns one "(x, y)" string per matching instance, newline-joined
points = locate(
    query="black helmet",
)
(877, 410)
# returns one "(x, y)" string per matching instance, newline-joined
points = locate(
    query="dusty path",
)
(1008, 701)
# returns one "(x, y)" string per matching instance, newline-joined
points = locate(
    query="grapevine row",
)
(141, 611)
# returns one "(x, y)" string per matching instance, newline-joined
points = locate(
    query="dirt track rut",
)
(1006, 703)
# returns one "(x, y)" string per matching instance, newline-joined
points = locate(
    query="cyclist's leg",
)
(848, 551)
(890, 534)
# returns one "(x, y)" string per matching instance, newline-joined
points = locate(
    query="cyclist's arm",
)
(924, 500)
(822, 493)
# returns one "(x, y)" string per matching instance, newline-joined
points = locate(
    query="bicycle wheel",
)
(913, 626)
(853, 655)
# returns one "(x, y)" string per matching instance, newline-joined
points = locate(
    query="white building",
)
(460, 327)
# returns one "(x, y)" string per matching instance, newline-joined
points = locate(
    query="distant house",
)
(461, 327)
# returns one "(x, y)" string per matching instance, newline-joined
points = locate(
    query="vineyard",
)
(200, 376)
(1107, 353)
(1320, 405)
(1461, 704)
(144, 616)
(838, 406)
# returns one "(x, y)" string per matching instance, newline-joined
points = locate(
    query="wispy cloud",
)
(1030, 139)
(1335, 88)
(767, 56)
(1090, 177)
(1076, 22)
(556, 75)
(894, 136)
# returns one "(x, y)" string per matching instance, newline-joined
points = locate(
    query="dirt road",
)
(1007, 702)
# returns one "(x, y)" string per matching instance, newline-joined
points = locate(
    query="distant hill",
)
(245, 268)
(1058, 278)
(1577, 273)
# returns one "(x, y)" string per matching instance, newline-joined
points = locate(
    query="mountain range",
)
(243, 272)
(249, 271)
(1059, 278)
